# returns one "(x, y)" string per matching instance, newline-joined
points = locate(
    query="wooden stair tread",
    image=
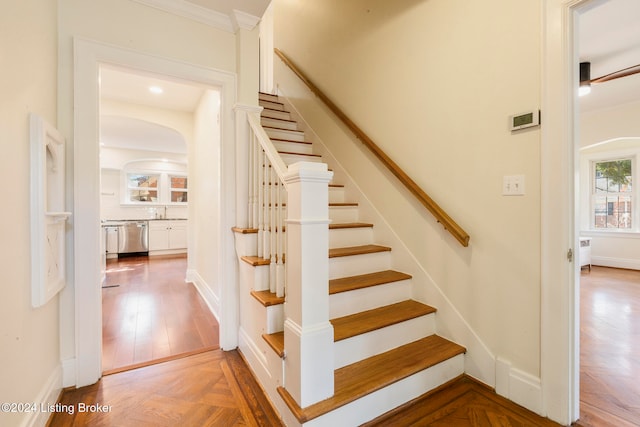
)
(244, 230)
(336, 185)
(267, 298)
(345, 284)
(357, 250)
(343, 225)
(276, 342)
(378, 318)
(369, 375)
(255, 260)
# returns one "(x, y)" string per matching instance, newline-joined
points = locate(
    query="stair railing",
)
(267, 202)
(304, 188)
(441, 216)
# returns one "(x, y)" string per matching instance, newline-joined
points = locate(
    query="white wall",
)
(433, 84)
(605, 133)
(205, 198)
(29, 350)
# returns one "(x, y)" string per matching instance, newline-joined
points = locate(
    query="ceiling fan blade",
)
(618, 74)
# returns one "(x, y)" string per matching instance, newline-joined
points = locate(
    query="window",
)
(178, 188)
(612, 197)
(142, 187)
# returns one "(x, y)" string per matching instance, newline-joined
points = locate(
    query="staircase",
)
(386, 348)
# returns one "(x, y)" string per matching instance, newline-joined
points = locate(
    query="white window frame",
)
(164, 186)
(588, 190)
(184, 190)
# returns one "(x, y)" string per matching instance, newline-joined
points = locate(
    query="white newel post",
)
(243, 142)
(308, 334)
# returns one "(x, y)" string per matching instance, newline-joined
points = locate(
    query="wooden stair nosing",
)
(378, 318)
(244, 230)
(300, 154)
(273, 109)
(287, 130)
(255, 260)
(336, 185)
(267, 298)
(343, 205)
(290, 141)
(357, 250)
(280, 120)
(372, 374)
(348, 225)
(345, 284)
(276, 342)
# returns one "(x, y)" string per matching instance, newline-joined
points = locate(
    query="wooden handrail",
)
(441, 216)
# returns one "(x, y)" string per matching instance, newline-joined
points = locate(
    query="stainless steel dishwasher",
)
(133, 237)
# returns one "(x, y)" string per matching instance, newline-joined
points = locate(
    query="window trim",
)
(587, 189)
(164, 188)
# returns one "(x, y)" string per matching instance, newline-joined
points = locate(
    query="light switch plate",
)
(513, 185)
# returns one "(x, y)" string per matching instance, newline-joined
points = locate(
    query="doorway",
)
(86, 238)
(150, 314)
(607, 40)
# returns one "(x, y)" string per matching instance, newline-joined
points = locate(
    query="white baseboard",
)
(212, 300)
(518, 386)
(631, 264)
(48, 395)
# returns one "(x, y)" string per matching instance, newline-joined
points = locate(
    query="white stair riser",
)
(255, 278)
(358, 264)
(375, 342)
(293, 147)
(268, 97)
(294, 158)
(336, 194)
(291, 135)
(272, 105)
(275, 319)
(346, 303)
(281, 124)
(387, 398)
(350, 237)
(276, 114)
(343, 213)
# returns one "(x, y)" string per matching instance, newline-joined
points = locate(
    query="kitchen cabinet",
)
(168, 236)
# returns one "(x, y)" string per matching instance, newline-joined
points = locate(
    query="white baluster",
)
(259, 207)
(274, 207)
(266, 201)
(280, 274)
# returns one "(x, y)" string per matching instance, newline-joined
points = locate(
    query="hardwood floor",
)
(214, 388)
(609, 347)
(150, 314)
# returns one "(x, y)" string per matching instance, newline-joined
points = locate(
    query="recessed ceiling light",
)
(156, 89)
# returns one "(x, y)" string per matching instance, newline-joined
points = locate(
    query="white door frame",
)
(560, 327)
(88, 55)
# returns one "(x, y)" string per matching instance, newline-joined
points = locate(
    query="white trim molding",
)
(230, 23)
(46, 398)
(212, 300)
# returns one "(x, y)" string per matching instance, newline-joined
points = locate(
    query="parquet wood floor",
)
(609, 347)
(213, 388)
(149, 313)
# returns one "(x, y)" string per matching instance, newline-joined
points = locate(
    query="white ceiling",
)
(609, 38)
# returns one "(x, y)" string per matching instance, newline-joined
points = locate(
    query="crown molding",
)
(244, 20)
(194, 12)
